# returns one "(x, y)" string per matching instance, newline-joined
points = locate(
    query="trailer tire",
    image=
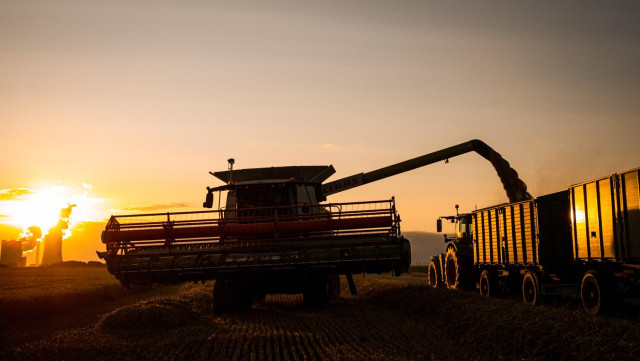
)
(594, 294)
(434, 274)
(487, 284)
(457, 270)
(530, 289)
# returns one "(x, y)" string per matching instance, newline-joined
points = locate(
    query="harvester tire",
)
(487, 284)
(259, 297)
(317, 292)
(231, 296)
(434, 274)
(457, 271)
(334, 287)
(531, 289)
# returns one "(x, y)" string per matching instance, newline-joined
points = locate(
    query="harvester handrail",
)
(264, 224)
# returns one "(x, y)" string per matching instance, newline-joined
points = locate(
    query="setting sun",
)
(41, 207)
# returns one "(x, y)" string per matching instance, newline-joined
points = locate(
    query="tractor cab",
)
(463, 226)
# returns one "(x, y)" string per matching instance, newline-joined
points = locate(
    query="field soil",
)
(390, 319)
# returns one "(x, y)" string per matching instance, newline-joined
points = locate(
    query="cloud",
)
(154, 207)
(14, 193)
(328, 146)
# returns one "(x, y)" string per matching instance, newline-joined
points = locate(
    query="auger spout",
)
(516, 189)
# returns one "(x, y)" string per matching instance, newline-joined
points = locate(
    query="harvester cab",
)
(269, 187)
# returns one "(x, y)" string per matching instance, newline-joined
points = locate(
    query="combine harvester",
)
(584, 242)
(273, 234)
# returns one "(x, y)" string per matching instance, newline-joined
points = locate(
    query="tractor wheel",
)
(434, 274)
(488, 284)
(456, 271)
(231, 296)
(530, 289)
(317, 292)
(596, 295)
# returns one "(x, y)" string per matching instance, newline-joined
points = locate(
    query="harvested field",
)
(35, 301)
(33, 292)
(390, 319)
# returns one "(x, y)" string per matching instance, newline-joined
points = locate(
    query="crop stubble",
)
(391, 319)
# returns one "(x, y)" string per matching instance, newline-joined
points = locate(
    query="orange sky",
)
(141, 99)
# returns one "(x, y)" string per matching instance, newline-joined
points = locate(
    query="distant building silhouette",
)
(52, 252)
(11, 253)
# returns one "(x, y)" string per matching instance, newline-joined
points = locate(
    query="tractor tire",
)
(317, 293)
(434, 274)
(488, 284)
(457, 271)
(531, 289)
(231, 296)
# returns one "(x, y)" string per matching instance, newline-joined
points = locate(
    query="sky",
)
(127, 106)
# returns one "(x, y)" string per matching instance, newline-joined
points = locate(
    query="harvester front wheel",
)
(434, 274)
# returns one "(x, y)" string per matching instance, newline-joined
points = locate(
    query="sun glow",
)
(41, 207)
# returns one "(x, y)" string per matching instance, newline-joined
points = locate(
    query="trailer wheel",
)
(487, 284)
(592, 293)
(434, 274)
(530, 289)
(456, 271)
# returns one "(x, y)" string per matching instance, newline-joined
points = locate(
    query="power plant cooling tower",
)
(11, 253)
(52, 247)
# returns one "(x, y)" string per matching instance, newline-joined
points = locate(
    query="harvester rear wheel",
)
(334, 287)
(434, 274)
(456, 271)
(530, 289)
(317, 293)
(231, 296)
